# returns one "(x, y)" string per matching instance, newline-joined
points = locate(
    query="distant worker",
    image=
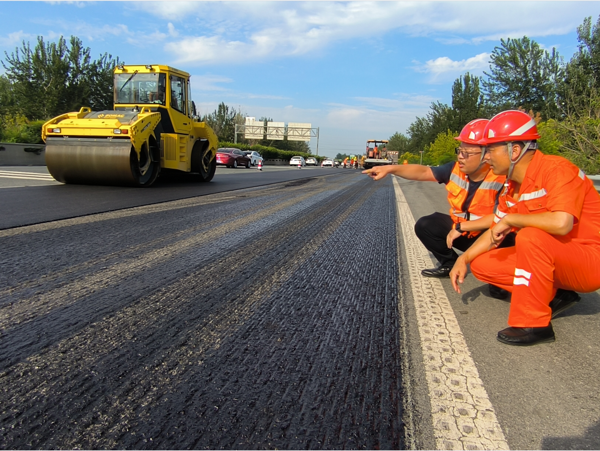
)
(555, 210)
(472, 192)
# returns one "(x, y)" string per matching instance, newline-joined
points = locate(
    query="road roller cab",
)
(154, 126)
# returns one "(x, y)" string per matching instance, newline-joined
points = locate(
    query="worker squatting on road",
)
(555, 210)
(472, 192)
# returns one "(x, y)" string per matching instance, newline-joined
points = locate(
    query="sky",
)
(354, 70)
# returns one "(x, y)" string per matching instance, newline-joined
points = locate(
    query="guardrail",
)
(19, 154)
(276, 162)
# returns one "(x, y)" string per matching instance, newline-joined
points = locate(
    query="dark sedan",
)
(232, 158)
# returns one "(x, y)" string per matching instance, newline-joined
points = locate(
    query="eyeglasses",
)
(464, 154)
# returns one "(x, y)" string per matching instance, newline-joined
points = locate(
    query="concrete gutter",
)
(17, 154)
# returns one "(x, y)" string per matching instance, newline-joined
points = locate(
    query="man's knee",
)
(478, 267)
(422, 224)
(426, 224)
(533, 237)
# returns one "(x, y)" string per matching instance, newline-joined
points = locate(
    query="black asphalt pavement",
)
(263, 318)
(274, 312)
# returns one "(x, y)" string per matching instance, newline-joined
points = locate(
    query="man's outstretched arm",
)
(416, 172)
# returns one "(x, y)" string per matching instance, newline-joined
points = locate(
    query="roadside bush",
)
(441, 151)
(17, 129)
(410, 157)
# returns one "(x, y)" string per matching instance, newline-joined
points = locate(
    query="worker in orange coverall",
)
(555, 210)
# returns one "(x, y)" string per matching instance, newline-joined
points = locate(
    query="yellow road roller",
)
(153, 127)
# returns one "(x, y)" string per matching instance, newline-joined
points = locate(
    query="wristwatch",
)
(457, 228)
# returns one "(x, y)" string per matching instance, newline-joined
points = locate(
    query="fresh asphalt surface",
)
(261, 311)
(47, 200)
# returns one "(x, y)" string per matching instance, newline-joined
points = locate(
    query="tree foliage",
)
(441, 151)
(522, 74)
(398, 143)
(223, 121)
(467, 101)
(424, 131)
(58, 77)
(582, 74)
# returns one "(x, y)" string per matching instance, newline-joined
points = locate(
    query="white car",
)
(295, 161)
(327, 162)
(254, 157)
(311, 161)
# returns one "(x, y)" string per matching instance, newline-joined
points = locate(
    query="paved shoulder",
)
(545, 396)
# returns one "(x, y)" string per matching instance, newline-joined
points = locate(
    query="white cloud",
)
(209, 82)
(440, 69)
(81, 29)
(146, 40)
(172, 31)
(399, 102)
(14, 39)
(249, 31)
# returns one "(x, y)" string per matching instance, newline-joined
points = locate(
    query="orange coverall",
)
(540, 263)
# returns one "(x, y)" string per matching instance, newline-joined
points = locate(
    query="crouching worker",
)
(555, 210)
(472, 192)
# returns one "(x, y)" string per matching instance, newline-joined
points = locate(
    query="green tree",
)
(7, 103)
(522, 74)
(58, 77)
(582, 73)
(577, 134)
(424, 131)
(441, 151)
(223, 121)
(398, 143)
(467, 101)
(100, 76)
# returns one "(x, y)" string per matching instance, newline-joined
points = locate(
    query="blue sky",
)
(356, 70)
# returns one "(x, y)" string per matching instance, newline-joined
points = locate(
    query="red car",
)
(232, 158)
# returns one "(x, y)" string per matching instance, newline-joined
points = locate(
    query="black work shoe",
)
(526, 336)
(497, 292)
(440, 271)
(563, 300)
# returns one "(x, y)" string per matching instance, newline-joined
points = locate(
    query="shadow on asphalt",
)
(589, 440)
(471, 296)
(589, 304)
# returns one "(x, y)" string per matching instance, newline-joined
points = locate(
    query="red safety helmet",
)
(472, 133)
(509, 126)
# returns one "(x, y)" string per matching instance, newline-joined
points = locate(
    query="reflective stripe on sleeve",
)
(534, 195)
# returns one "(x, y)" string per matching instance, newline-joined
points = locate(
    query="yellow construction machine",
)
(154, 127)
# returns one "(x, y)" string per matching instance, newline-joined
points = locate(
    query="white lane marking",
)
(25, 175)
(463, 416)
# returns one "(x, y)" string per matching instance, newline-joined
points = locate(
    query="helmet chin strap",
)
(481, 162)
(510, 156)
